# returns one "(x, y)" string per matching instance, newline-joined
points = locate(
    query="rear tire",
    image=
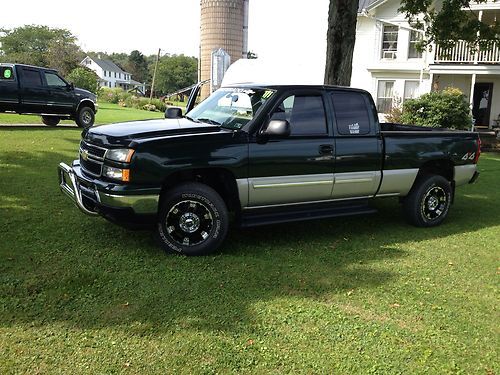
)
(428, 202)
(50, 120)
(85, 117)
(193, 220)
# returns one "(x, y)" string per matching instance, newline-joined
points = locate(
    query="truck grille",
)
(91, 158)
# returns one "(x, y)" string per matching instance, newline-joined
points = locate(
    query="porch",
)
(482, 89)
(462, 52)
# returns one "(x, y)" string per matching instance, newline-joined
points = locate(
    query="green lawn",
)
(359, 295)
(107, 113)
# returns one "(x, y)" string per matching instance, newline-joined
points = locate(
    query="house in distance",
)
(111, 75)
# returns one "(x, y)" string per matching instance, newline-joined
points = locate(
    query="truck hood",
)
(125, 133)
(84, 93)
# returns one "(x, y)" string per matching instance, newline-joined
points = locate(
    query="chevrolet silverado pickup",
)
(28, 89)
(262, 154)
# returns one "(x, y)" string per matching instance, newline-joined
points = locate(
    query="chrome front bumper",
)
(72, 188)
(69, 184)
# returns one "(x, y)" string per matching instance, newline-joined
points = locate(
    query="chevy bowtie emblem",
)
(85, 155)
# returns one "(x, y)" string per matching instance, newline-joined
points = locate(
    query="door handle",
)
(326, 150)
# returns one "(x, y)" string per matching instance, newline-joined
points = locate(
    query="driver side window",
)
(305, 113)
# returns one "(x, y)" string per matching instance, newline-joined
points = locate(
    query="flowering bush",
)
(448, 109)
(129, 100)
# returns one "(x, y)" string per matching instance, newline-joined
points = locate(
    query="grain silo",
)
(224, 24)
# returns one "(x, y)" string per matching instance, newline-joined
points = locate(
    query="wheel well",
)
(85, 103)
(442, 167)
(219, 179)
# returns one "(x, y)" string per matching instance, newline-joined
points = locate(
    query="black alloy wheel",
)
(428, 202)
(193, 220)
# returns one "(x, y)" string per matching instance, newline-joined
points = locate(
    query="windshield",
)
(230, 108)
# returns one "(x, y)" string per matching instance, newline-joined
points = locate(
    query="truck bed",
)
(392, 127)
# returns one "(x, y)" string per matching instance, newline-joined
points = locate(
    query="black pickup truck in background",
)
(28, 89)
(267, 154)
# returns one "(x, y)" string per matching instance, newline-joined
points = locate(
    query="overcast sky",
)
(278, 29)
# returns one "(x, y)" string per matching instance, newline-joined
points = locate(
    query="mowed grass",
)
(358, 295)
(107, 113)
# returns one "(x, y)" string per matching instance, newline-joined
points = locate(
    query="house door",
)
(481, 107)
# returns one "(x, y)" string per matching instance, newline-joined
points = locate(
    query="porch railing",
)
(462, 52)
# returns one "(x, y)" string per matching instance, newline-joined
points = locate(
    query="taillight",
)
(478, 152)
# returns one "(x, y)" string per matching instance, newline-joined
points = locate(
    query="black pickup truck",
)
(28, 89)
(266, 154)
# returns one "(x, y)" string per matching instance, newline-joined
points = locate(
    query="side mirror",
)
(71, 86)
(277, 129)
(173, 112)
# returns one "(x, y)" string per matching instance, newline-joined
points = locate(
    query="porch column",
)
(476, 54)
(471, 97)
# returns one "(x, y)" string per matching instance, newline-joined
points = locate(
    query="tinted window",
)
(31, 78)
(6, 73)
(351, 113)
(54, 80)
(306, 114)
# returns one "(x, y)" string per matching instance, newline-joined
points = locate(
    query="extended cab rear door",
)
(298, 168)
(358, 145)
(9, 93)
(33, 93)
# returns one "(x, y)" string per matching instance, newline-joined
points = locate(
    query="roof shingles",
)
(108, 65)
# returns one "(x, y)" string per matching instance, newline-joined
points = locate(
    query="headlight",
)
(123, 155)
(116, 173)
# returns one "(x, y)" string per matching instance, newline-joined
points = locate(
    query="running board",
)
(285, 214)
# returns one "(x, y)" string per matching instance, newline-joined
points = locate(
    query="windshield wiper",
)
(209, 121)
(192, 119)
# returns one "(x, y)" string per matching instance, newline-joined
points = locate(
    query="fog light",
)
(116, 173)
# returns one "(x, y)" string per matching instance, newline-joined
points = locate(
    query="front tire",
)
(193, 220)
(428, 202)
(85, 117)
(50, 120)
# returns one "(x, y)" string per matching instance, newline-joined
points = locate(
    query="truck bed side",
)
(451, 154)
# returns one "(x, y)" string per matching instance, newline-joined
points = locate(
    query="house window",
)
(385, 92)
(411, 89)
(115, 74)
(415, 38)
(389, 41)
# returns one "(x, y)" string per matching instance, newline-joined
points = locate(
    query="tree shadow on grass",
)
(58, 265)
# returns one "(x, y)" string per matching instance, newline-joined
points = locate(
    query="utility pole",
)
(154, 76)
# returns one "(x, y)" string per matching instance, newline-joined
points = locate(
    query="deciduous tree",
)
(341, 36)
(42, 46)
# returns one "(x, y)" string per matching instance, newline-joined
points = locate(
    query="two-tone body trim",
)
(397, 181)
(463, 173)
(303, 189)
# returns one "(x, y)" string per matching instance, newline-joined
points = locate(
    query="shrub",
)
(395, 113)
(129, 100)
(448, 108)
(84, 78)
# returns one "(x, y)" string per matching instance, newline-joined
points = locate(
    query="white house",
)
(387, 64)
(111, 75)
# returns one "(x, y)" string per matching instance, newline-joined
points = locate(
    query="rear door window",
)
(6, 73)
(32, 78)
(305, 113)
(351, 113)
